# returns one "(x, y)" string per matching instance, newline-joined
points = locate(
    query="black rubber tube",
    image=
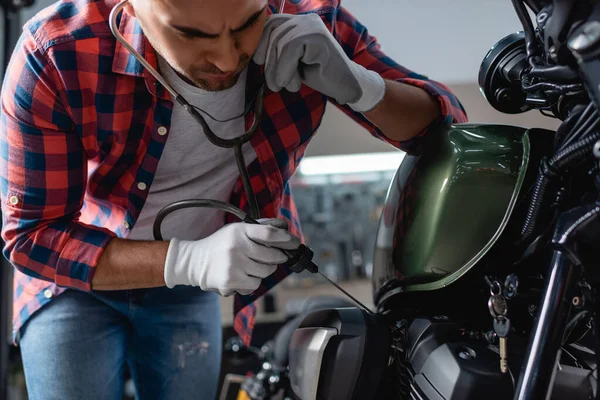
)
(550, 172)
(530, 43)
(251, 196)
(179, 205)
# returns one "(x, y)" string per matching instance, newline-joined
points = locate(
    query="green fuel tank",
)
(446, 209)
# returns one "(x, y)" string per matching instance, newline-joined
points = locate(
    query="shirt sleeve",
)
(43, 175)
(364, 49)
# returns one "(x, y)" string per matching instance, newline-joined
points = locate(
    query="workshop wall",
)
(440, 38)
(445, 40)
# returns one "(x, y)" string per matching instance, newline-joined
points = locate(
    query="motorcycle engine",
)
(435, 360)
(348, 354)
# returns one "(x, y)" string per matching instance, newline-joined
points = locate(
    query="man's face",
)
(208, 42)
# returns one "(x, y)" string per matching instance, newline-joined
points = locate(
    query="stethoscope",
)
(300, 259)
(236, 143)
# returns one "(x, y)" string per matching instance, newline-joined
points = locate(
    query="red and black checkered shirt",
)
(83, 124)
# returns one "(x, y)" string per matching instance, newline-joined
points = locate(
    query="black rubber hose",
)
(588, 125)
(560, 88)
(535, 7)
(247, 185)
(568, 126)
(530, 42)
(575, 152)
(573, 324)
(180, 205)
(539, 198)
(550, 171)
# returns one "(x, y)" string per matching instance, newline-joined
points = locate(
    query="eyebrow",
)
(201, 34)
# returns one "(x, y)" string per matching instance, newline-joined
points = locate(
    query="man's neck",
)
(187, 80)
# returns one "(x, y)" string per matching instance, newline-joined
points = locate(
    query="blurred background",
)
(342, 182)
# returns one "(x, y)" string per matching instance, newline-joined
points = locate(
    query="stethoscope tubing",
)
(236, 143)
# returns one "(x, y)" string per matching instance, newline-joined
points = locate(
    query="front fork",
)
(545, 343)
(536, 377)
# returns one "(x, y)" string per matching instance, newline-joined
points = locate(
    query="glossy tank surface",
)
(445, 209)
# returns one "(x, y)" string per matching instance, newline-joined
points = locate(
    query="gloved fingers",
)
(274, 21)
(260, 55)
(308, 28)
(306, 46)
(287, 69)
(260, 270)
(276, 222)
(290, 78)
(272, 237)
(295, 83)
(275, 77)
(309, 34)
(283, 46)
(285, 242)
(224, 292)
(249, 285)
(265, 255)
(285, 55)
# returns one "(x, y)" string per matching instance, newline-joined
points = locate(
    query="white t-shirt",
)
(190, 166)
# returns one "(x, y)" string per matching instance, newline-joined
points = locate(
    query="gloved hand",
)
(298, 49)
(234, 259)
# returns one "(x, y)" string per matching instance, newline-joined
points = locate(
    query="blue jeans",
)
(78, 345)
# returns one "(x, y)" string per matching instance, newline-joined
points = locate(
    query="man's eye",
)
(186, 36)
(253, 22)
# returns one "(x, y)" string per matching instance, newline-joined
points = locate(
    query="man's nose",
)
(226, 55)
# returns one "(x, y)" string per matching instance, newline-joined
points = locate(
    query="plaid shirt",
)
(83, 124)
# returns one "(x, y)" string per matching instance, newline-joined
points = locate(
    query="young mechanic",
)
(93, 146)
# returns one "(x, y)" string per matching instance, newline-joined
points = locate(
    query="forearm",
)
(404, 112)
(131, 264)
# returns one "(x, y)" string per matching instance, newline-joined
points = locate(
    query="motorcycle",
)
(485, 279)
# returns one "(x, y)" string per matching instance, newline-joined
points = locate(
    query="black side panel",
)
(375, 359)
(355, 359)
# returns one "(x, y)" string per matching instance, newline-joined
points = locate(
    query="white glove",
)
(232, 260)
(298, 49)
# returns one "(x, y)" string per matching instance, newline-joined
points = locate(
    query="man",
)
(93, 147)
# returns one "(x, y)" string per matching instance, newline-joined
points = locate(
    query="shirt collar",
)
(123, 61)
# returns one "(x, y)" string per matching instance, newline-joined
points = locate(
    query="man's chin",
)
(215, 85)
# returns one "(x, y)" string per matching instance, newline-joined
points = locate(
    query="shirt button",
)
(14, 200)
(48, 293)
(142, 186)
(126, 225)
(162, 131)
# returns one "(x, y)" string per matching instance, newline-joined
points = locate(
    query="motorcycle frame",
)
(565, 271)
